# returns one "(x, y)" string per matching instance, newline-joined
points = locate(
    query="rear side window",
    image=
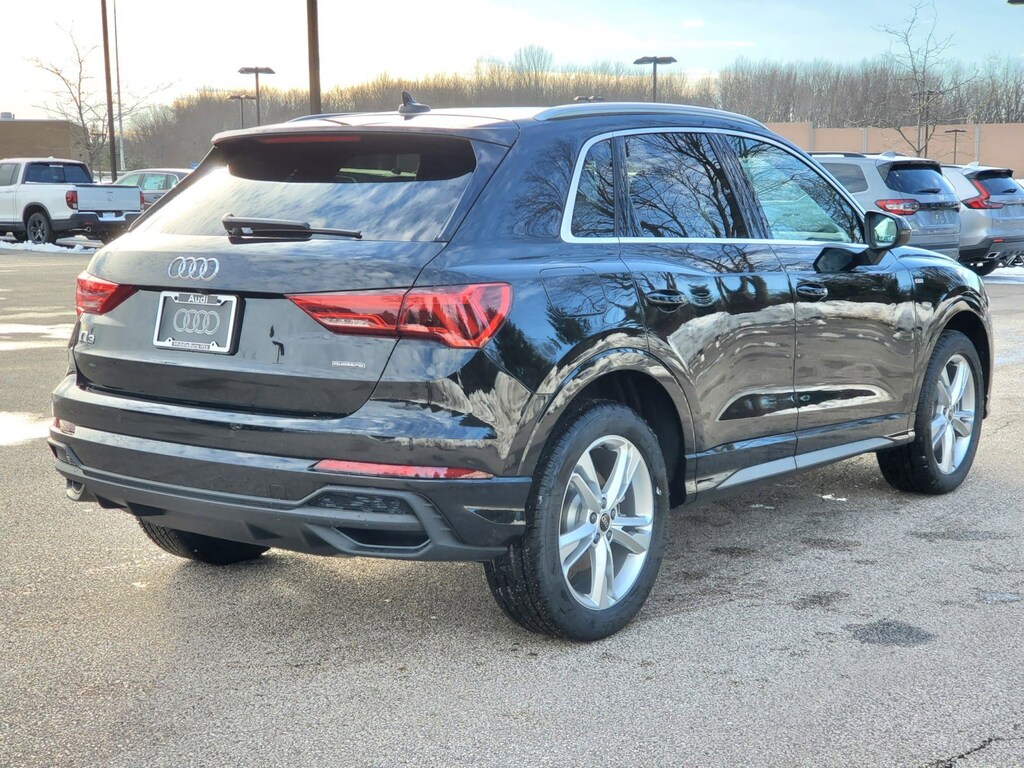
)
(850, 176)
(388, 186)
(677, 188)
(918, 180)
(998, 183)
(57, 173)
(593, 213)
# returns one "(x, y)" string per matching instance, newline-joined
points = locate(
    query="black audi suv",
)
(512, 336)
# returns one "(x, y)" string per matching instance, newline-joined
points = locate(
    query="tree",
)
(926, 78)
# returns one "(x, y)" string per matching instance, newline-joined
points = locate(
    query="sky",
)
(174, 47)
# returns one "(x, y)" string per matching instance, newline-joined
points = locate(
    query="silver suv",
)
(992, 218)
(912, 187)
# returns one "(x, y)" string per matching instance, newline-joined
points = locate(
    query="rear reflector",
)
(95, 296)
(462, 316)
(901, 207)
(400, 470)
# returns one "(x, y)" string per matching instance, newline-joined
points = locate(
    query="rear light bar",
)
(980, 202)
(400, 470)
(95, 296)
(461, 316)
(71, 198)
(901, 207)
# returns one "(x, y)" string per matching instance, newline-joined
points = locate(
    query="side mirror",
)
(885, 231)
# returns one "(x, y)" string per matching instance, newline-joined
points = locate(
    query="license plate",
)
(196, 322)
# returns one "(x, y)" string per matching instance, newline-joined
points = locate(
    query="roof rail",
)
(837, 154)
(611, 108)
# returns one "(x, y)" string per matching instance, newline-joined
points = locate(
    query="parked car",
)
(992, 234)
(41, 198)
(911, 187)
(511, 336)
(154, 182)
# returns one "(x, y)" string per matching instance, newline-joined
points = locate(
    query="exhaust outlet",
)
(76, 492)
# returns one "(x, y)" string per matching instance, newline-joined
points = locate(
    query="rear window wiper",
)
(280, 229)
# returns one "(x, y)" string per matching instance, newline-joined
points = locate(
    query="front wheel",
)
(39, 229)
(947, 424)
(596, 532)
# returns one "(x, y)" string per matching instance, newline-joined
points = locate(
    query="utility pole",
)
(313, 34)
(110, 95)
(120, 107)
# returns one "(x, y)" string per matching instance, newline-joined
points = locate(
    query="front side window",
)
(798, 203)
(678, 188)
(7, 173)
(131, 180)
(593, 212)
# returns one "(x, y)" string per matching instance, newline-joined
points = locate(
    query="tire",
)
(39, 229)
(529, 583)
(983, 268)
(941, 455)
(195, 546)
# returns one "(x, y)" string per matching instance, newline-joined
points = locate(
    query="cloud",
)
(691, 23)
(705, 45)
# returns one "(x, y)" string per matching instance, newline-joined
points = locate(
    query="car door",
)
(8, 207)
(855, 321)
(154, 185)
(718, 307)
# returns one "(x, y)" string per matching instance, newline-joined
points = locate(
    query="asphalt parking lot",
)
(821, 620)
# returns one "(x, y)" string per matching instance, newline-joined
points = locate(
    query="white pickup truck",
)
(42, 198)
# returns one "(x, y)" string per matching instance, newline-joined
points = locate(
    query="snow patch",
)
(50, 247)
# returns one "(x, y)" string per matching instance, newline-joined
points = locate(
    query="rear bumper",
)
(341, 514)
(1006, 249)
(93, 222)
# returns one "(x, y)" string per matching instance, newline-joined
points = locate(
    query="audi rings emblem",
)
(193, 267)
(201, 321)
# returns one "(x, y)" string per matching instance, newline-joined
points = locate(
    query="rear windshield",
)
(999, 183)
(386, 186)
(850, 176)
(57, 173)
(918, 180)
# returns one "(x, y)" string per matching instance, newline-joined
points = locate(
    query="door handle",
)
(813, 291)
(667, 299)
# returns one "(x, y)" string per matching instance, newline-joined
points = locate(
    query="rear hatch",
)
(233, 320)
(926, 197)
(108, 198)
(1002, 197)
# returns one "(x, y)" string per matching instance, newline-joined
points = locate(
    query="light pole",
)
(655, 60)
(257, 71)
(957, 131)
(241, 98)
(110, 95)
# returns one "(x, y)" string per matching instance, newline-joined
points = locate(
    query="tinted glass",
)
(677, 187)
(918, 180)
(850, 176)
(798, 203)
(593, 214)
(56, 173)
(389, 187)
(7, 174)
(999, 184)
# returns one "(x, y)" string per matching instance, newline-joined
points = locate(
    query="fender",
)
(545, 410)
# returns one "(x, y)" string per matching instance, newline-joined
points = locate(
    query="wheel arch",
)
(31, 208)
(635, 379)
(973, 327)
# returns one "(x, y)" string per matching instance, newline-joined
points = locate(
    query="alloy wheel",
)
(953, 414)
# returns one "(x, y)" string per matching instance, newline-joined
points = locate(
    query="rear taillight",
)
(901, 207)
(464, 316)
(142, 199)
(94, 296)
(400, 470)
(981, 201)
(71, 198)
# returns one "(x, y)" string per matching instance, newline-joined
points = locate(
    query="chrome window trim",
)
(570, 204)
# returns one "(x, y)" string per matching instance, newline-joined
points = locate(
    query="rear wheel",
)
(195, 546)
(596, 532)
(947, 425)
(984, 267)
(39, 228)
